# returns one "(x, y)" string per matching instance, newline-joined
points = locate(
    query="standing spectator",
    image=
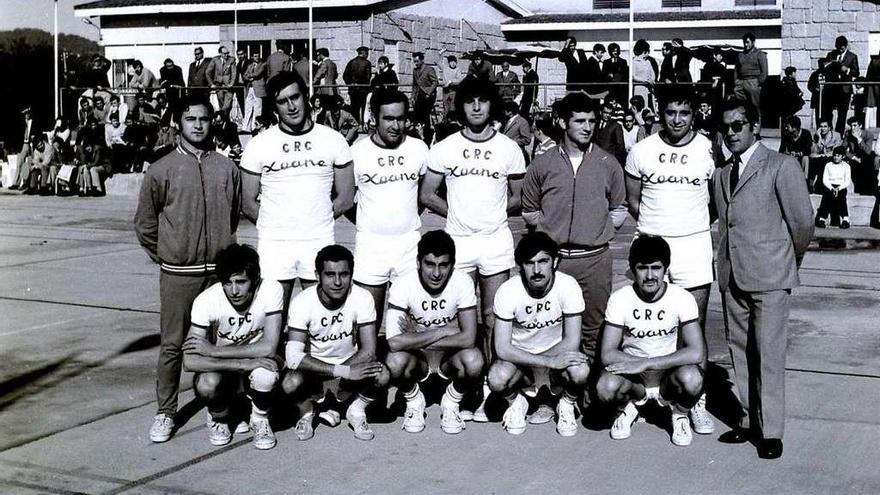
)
(817, 89)
(358, 71)
(300, 65)
(120, 151)
(796, 142)
(676, 66)
(171, 80)
(530, 90)
(342, 121)
(616, 71)
(452, 75)
(756, 273)
(508, 82)
(836, 178)
(99, 114)
(197, 75)
(325, 74)
(609, 134)
(255, 82)
(790, 94)
(575, 65)
(575, 194)
(872, 92)
(143, 79)
(221, 77)
(644, 73)
(27, 131)
(242, 62)
(279, 61)
(516, 127)
(751, 72)
(385, 75)
(424, 94)
(84, 114)
(593, 72)
(480, 68)
(715, 72)
(545, 130)
(845, 65)
(859, 152)
(95, 76)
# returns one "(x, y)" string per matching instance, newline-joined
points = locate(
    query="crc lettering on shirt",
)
(390, 160)
(476, 154)
(674, 158)
(240, 319)
(541, 306)
(647, 314)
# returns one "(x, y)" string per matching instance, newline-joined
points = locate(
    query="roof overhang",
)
(643, 20)
(513, 7)
(228, 6)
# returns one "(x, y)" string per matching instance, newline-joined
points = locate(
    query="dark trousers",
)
(176, 295)
(593, 274)
(833, 205)
(841, 104)
(422, 107)
(358, 99)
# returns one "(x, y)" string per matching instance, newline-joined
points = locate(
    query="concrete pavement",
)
(79, 346)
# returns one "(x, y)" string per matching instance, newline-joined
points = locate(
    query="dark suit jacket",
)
(851, 62)
(765, 224)
(616, 71)
(508, 92)
(680, 72)
(593, 73)
(171, 76)
(574, 61)
(610, 139)
(198, 77)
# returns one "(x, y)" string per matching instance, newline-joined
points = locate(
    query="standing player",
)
(301, 171)
(236, 326)
(667, 189)
(387, 170)
(483, 170)
(432, 327)
(331, 334)
(652, 345)
(538, 328)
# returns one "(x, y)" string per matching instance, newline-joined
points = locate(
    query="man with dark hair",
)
(341, 120)
(860, 152)
(255, 103)
(652, 345)
(843, 66)
(187, 212)
(609, 133)
(171, 80)
(575, 61)
(331, 334)
(546, 132)
(302, 173)
(593, 72)
(142, 78)
(615, 70)
(432, 328)
(796, 142)
(325, 74)
(234, 334)
(242, 62)
(574, 192)
(538, 334)
(279, 60)
(197, 75)
(676, 64)
(516, 127)
(358, 71)
(480, 68)
(758, 192)
(424, 94)
(751, 72)
(508, 82)
(452, 75)
(530, 90)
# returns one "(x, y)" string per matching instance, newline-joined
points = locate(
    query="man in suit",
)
(358, 71)
(843, 66)
(242, 62)
(424, 94)
(222, 74)
(279, 61)
(575, 64)
(171, 80)
(325, 74)
(609, 134)
(255, 83)
(765, 225)
(516, 126)
(198, 69)
(530, 93)
(508, 83)
(593, 71)
(616, 70)
(676, 65)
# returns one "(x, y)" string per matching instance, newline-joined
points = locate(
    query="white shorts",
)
(379, 259)
(287, 260)
(489, 254)
(692, 260)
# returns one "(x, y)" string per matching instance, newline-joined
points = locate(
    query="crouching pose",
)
(432, 327)
(538, 329)
(234, 335)
(331, 345)
(652, 344)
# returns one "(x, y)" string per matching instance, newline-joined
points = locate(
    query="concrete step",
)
(127, 185)
(859, 205)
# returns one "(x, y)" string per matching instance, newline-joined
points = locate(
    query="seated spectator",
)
(85, 112)
(545, 131)
(836, 178)
(704, 120)
(166, 140)
(225, 130)
(637, 106)
(617, 109)
(632, 133)
(650, 125)
(261, 123)
(91, 171)
(824, 142)
(319, 110)
(41, 174)
(143, 112)
(137, 137)
(341, 120)
(860, 153)
(120, 151)
(796, 142)
(117, 107)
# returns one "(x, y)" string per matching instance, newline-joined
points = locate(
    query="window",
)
(677, 4)
(264, 48)
(753, 3)
(610, 4)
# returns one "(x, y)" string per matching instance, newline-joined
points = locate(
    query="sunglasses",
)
(736, 126)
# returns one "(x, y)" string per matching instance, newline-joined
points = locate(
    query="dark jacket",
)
(172, 76)
(357, 71)
(680, 71)
(198, 76)
(389, 77)
(610, 139)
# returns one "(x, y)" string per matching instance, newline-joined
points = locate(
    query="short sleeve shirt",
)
(387, 183)
(211, 310)
(675, 184)
(332, 333)
(476, 180)
(296, 179)
(537, 323)
(430, 311)
(650, 329)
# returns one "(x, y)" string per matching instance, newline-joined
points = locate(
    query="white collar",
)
(745, 156)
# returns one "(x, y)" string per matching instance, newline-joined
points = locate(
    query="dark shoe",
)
(45, 192)
(844, 224)
(820, 222)
(736, 435)
(13, 187)
(770, 448)
(29, 191)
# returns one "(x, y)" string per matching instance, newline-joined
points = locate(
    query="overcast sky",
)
(38, 14)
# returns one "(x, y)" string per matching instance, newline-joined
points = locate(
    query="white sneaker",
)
(622, 427)
(240, 429)
(331, 417)
(305, 427)
(544, 414)
(162, 429)
(264, 437)
(414, 417)
(703, 423)
(566, 424)
(514, 419)
(219, 433)
(450, 419)
(358, 424)
(681, 430)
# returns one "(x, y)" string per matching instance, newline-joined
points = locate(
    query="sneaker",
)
(844, 224)
(305, 427)
(331, 417)
(514, 419)
(162, 429)
(544, 414)
(219, 433)
(703, 423)
(622, 427)
(681, 430)
(450, 419)
(414, 417)
(467, 415)
(359, 425)
(264, 437)
(242, 427)
(479, 415)
(566, 425)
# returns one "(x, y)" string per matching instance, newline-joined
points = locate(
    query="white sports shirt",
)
(650, 329)
(476, 180)
(537, 323)
(387, 183)
(407, 294)
(212, 311)
(675, 184)
(296, 178)
(332, 336)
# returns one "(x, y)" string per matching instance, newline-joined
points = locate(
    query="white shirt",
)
(296, 179)
(387, 183)
(407, 294)
(332, 333)
(537, 323)
(476, 180)
(837, 174)
(212, 311)
(675, 184)
(650, 329)
(630, 137)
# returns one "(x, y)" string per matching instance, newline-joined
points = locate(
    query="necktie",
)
(734, 172)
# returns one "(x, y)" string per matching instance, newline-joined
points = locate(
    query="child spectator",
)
(836, 178)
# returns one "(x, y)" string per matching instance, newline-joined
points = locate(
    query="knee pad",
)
(263, 380)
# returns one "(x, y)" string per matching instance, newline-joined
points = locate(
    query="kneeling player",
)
(332, 334)
(652, 344)
(236, 326)
(538, 328)
(432, 327)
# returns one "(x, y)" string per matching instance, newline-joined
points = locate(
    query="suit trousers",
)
(593, 274)
(755, 326)
(176, 296)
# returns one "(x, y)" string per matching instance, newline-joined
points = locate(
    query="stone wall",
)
(809, 28)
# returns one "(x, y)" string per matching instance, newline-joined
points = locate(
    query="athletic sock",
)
(412, 393)
(359, 405)
(453, 394)
(260, 402)
(568, 399)
(511, 397)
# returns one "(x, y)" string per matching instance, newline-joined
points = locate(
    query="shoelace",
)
(262, 428)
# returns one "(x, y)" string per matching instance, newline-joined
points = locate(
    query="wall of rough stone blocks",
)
(809, 28)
